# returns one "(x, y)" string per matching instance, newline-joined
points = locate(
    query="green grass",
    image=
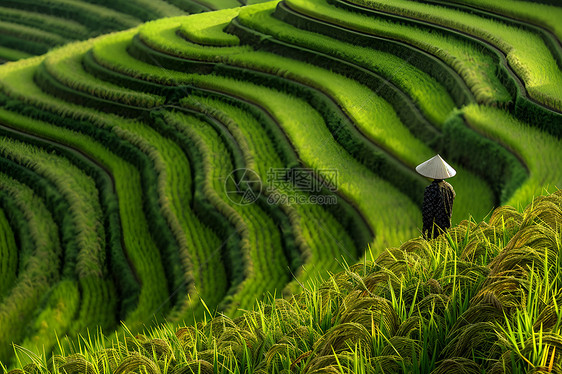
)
(220, 4)
(260, 154)
(66, 67)
(161, 36)
(547, 16)
(10, 54)
(81, 194)
(317, 148)
(8, 255)
(112, 55)
(482, 298)
(203, 29)
(29, 33)
(56, 315)
(111, 52)
(418, 307)
(265, 267)
(89, 243)
(472, 65)
(539, 151)
(526, 52)
(63, 27)
(175, 198)
(139, 245)
(431, 98)
(39, 271)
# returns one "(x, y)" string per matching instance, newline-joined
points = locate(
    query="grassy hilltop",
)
(194, 164)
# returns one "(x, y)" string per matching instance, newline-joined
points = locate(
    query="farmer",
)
(438, 196)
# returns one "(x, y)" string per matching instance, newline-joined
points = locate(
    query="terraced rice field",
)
(198, 162)
(33, 27)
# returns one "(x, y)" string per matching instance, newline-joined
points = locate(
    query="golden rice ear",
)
(274, 354)
(54, 362)
(108, 360)
(418, 245)
(468, 339)
(217, 325)
(506, 217)
(327, 364)
(77, 364)
(505, 289)
(411, 326)
(341, 336)
(136, 362)
(31, 368)
(195, 367)
(404, 347)
(544, 212)
(158, 347)
(479, 247)
(434, 286)
(547, 318)
(379, 280)
(386, 364)
(135, 343)
(367, 310)
(458, 365)
(16, 371)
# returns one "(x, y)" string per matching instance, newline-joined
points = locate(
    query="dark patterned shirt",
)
(437, 207)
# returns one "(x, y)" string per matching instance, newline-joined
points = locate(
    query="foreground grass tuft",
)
(483, 297)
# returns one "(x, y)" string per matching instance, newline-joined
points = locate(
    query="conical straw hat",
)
(436, 168)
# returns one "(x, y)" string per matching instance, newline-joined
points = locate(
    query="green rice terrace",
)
(224, 186)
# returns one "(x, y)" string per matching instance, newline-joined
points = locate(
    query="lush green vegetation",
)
(39, 269)
(32, 27)
(538, 150)
(537, 13)
(469, 62)
(484, 297)
(123, 158)
(525, 51)
(9, 254)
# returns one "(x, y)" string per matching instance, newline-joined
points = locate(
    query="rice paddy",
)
(235, 190)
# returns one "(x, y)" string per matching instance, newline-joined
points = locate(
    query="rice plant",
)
(8, 255)
(37, 273)
(538, 150)
(431, 97)
(206, 30)
(466, 59)
(66, 67)
(526, 52)
(540, 14)
(422, 308)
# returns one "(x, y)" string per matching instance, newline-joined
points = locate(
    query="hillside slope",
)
(484, 297)
(32, 27)
(204, 161)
